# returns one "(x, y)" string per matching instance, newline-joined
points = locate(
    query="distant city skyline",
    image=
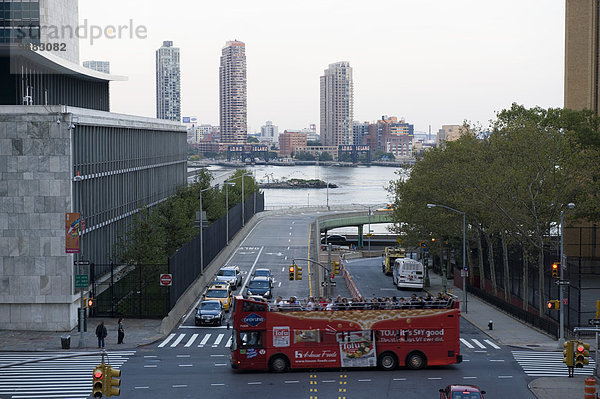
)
(445, 63)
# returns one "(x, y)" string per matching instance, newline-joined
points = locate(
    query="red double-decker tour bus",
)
(278, 338)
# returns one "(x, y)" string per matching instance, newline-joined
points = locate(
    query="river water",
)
(360, 185)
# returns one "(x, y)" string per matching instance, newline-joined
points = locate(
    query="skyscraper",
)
(233, 93)
(269, 132)
(337, 104)
(168, 79)
(582, 51)
(42, 21)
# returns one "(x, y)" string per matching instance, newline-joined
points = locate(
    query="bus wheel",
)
(278, 364)
(388, 361)
(416, 361)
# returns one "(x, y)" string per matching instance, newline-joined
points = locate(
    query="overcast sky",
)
(432, 62)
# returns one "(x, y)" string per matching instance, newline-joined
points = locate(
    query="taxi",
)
(221, 293)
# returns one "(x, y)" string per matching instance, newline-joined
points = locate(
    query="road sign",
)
(369, 235)
(81, 262)
(464, 273)
(81, 281)
(466, 268)
(333, 283)
(166, 280)
(423, 244)
(324, 284)
(594, 322)
(561, 282)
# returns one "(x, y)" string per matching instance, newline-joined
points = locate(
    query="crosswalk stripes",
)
(548, 364)
(59, 378)
(480, 346)
(209, 339)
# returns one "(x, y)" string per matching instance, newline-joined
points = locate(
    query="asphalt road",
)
(194, 361)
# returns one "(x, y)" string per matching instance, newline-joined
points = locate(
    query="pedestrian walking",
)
(121, 332)
(101, 333)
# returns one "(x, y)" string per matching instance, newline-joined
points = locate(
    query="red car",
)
(461, 392)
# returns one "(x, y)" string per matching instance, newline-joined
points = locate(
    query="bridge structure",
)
(358, 219)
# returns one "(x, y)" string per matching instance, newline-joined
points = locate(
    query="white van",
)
(408, 273)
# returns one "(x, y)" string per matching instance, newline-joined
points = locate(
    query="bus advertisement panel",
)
(270, 337)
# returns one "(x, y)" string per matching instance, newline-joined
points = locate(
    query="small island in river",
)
(298, 183)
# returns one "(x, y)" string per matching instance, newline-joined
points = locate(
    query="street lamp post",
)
(243, 198)
(464, 265)
(327, 195)
(563, 264)
(201, 228)
(227, 184)
(369, 235)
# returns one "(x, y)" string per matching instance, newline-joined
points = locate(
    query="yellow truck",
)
(389, 257)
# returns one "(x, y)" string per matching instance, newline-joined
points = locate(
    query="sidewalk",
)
(510, 331)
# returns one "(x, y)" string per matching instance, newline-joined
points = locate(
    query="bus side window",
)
(250, 339)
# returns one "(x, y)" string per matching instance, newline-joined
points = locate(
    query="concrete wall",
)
(36, 190)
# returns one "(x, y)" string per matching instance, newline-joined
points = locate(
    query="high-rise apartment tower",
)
(337, 105)
(233, 93)
(582, 54)
(168, 81)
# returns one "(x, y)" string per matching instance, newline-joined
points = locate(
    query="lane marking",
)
(218, 340)
(220, 364)
(251, 270)
(479, 344)
(399, 379)
(183, 356)
(365, 380)
(279, 286)
(228, 344)
(217, 355)
(204, 340)
(141, 387)
(291, 382)
(255, 383)
(150, 365)
(466, 343)
(191, 341)
(469, 378)
(166, 341)
(179, 386)
(178, 340)
(505, 376)
(185, 365)
(150, 356)
(496, 360)
(490, 343)
(434, 378)
(283, 269)
(217, 385)
(326, 381)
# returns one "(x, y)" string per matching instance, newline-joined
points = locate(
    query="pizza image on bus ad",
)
(357, 349)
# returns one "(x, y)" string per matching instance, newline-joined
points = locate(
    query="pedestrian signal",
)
(90, 302)
(336, 267)
(112, 383)
(98, 382)
(556, 270)
(582, 352)
(569, 353)
(553, 304)
(292, 272)
(298, 273)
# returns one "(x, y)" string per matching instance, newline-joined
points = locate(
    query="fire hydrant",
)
(491, 325)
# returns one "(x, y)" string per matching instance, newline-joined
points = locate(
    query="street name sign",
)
(81, 281)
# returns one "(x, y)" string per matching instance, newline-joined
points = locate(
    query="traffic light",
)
(582, 352)
(336, 267)
(90, 302)
(598, 309)
(553, 304)
(556, 270)
(112, 383)
(292, 272)
(569, 353)
(298, 273)
(98, 382)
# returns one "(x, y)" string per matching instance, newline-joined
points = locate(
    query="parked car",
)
(221, 293)
(260, 286)
(209, 312)
(263, 273)
(230, 275)
(461, 392)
